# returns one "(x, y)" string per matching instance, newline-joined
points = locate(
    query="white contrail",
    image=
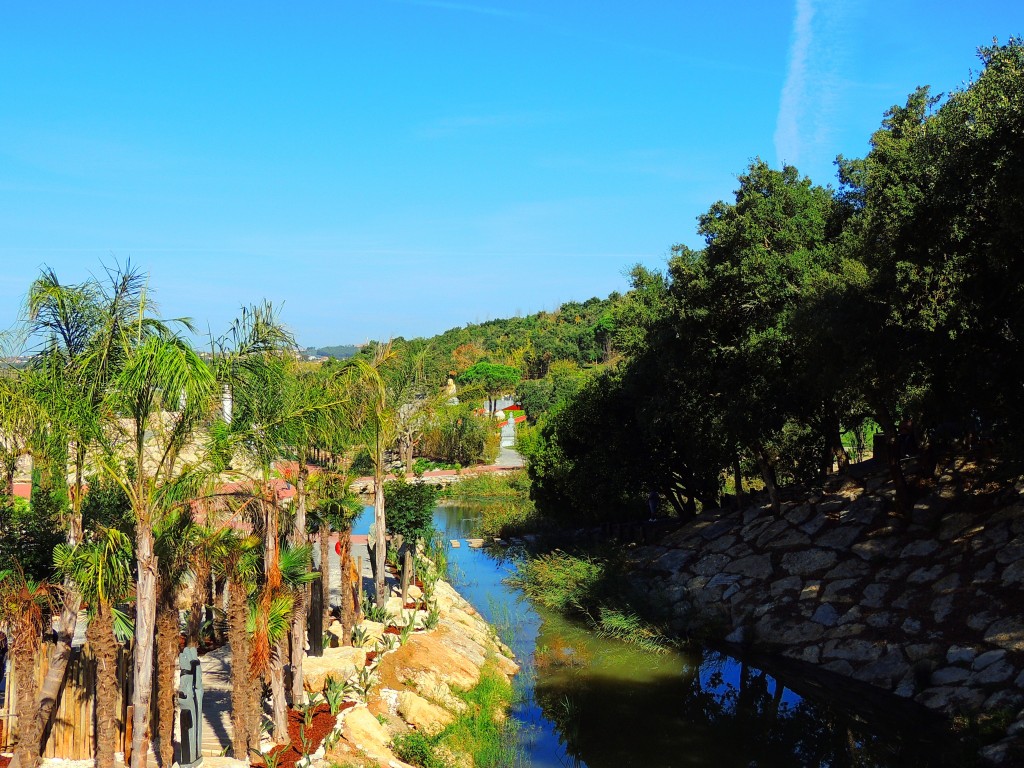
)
(795, 92)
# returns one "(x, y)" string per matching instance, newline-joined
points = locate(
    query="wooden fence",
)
(73, 726)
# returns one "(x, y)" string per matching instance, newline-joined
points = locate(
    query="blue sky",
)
(400, 167)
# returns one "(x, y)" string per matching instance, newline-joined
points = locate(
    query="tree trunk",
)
(892, 458)
(200, 593)
(100, 636)
(324, 539)
(277, 693)
(302, 593)
(244, 699)
(219, 601)
(380, 543)
(348, 599)
(59, 655)
(737, 478)
(145, 625)
(835, 442)
(60, 651)
(23, 661)
(768, 474)
(168, 636)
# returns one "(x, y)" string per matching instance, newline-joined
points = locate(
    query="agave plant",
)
(334, 692)
(364, 683)
(360, 637)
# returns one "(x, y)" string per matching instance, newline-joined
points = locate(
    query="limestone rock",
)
(339, 663)
(423, 715)
(374, 631)
(363, 733)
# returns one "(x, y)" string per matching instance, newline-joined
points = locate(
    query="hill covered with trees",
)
(895, 297)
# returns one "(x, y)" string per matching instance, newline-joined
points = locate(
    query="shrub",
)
(410, 507)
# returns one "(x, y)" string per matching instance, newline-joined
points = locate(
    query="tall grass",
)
(588, 587)
(482, 731)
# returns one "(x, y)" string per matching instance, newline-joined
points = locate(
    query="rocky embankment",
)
(412, 685)
(928, 607)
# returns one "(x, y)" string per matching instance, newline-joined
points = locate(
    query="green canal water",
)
(585, 700)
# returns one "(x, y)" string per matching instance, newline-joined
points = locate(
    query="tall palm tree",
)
(76, 336)
(161, 372)
(101, 569)
(23, 604)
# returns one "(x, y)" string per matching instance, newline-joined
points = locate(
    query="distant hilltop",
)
(340, 352)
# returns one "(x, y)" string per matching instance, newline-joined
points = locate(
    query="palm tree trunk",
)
(168, 639)
(324, 538)
(302, 594)
(244, 700)
(380, 536)
(200, 592)
(277, 693)
(145, 626)
(60, 651)
(26, 753)
(100, 636)
(348, 599)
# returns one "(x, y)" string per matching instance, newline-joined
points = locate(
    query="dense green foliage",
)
(809, 311)
(410, 507)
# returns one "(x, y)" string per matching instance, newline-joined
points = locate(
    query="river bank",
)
(928, 609)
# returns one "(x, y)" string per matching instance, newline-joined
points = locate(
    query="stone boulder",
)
(339, 663)
(422, 714)
(362, 733)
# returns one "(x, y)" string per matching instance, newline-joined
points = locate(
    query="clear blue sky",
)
(397, 168)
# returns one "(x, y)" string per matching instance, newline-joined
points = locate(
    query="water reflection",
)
(589, 701)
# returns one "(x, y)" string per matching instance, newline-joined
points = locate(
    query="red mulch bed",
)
(370, 658)
(323, 723)
(392, 631)
(4, 761)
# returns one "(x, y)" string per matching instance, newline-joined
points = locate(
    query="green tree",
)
(491, 379)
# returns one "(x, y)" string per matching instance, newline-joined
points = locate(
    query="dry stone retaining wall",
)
(931, 610)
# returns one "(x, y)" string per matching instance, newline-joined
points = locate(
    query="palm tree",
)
(22, 607)
(102, 572)
(161, 371)
(335, 506)
(77, 338)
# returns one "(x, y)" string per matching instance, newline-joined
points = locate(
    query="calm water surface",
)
(589, 701)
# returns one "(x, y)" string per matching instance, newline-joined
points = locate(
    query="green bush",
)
(410, 507)
(419, 749)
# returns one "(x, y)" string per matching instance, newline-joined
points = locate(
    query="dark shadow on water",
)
(590, 701)
(722, 712)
